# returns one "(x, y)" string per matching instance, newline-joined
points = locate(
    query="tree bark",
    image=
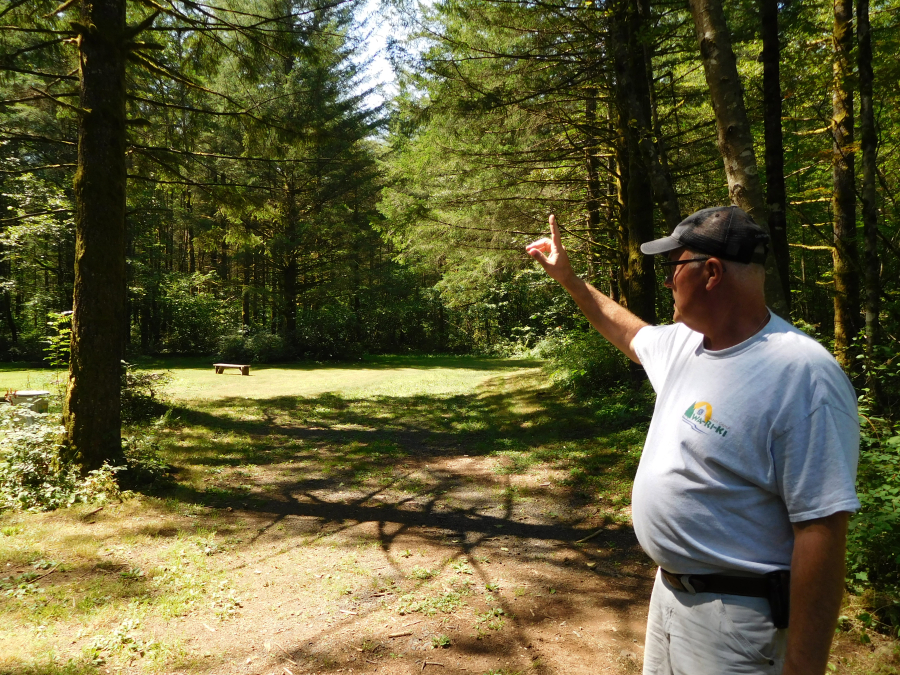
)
(733, 134)
(6, 297)
(843, 201)
(648, 127)
(633, 107)
(245, 291)
(622, 179)
(289, 293)
(592, 167)
(8, 315)
(92, 409)
(868, 148)
(776, 193)
(192, 260)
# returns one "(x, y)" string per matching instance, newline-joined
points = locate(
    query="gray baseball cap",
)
(726, 232)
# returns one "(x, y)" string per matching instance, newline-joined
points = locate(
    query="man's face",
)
(686, 281)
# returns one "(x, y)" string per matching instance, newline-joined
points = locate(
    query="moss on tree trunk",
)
(92, 414)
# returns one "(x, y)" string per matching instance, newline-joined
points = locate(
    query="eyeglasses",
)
(673, 263)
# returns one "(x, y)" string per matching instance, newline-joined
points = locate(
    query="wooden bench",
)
(220, 368)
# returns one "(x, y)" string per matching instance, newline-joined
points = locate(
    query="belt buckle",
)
(685, 580)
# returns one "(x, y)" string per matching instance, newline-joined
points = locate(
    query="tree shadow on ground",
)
(329, 440)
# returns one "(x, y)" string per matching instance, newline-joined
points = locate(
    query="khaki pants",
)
(710, 634)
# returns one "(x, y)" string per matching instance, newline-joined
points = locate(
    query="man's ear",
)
(715, 268)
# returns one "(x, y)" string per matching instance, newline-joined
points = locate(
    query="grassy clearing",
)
(321, 510)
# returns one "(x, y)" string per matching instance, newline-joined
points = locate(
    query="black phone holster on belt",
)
(779, 584)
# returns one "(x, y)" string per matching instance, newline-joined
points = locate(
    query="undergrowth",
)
(873, 542)
(34, 476)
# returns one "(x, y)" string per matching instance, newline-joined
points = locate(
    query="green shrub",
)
(141, 395)
(873, 543)
(331, 332)
(584, 363)
(144, 468)
(32, 475)
(262, 347)
(59, 340)
(193, 319)
(233, 348)
(268, 348)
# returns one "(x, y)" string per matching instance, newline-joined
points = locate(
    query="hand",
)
(551, 255)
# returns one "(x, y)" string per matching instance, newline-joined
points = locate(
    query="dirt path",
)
(375, 583)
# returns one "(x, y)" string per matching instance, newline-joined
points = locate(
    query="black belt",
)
(753, 587)
(775, 586)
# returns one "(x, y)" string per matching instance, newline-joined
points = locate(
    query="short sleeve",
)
(815, 464)
(658, 346)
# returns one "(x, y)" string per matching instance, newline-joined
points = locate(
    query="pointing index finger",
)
(554, 231)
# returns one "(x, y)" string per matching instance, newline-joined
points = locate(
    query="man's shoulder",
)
(802, 363)
(666, 335)
(800, 347)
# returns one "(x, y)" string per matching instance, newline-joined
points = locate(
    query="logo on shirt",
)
(699, 416)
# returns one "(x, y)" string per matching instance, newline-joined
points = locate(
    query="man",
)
(747, 475)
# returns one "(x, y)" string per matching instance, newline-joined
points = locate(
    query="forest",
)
(225, 180)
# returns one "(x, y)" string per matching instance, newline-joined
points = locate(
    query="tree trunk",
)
(868, 146)
(621, 215)
(92, 409)
(8, 315)
(289, 294)
(192, 261)
(245, 291)
(592, 166)
(223, 273)
(6, 297)
(259, 287)
(776, 193)
(843, 201)
(643, 105)
(633, 106)
(733, 134)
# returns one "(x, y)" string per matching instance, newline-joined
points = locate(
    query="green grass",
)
(22, 376)
(351, 425)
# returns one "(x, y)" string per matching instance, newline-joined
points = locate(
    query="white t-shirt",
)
(744, 441)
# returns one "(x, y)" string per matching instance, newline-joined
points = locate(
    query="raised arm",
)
(613, 321)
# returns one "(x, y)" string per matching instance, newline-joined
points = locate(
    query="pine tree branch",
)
(24, 71)
(12, 6)
(174, 106)
(239, 113)
(160, 69)
(13, 101)
(62, 8)
(34, 215)
(45, 31)
(32, 48)
(37, 168)
(186, 181)
(239, 30)
(68, 106)
(33, 137)
(194, 153)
